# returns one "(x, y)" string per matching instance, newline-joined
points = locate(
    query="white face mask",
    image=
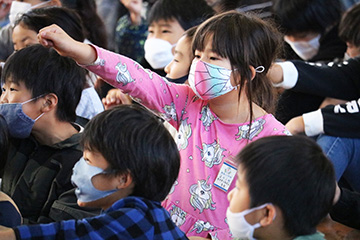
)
(238, 225)
(305, 49)
(19, 8)
(346, 56)
(158, 52)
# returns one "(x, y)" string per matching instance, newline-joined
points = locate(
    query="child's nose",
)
(167, 68)
(3, 98)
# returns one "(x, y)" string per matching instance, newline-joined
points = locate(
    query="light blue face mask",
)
(81, 178)
(19, 124)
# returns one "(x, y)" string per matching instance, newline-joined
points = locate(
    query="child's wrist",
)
(87, 56)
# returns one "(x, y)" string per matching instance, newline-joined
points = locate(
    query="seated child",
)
(25, 34)
(126, 170)
(285, 187)
(9, 212)
(167, 21)
(40, 92)
(223, 108)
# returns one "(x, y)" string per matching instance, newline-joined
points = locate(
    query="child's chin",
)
(81, 204)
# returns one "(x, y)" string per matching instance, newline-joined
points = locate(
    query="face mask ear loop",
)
(33, 98)
(260, 69)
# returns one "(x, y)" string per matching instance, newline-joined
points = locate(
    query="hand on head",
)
(55, 37)
(4, 7)
(115, 97)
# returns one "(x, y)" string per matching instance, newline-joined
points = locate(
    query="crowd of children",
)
(222, 166)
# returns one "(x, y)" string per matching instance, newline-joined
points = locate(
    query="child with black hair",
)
(126, 170)
(223, 108)
(40, 92)
(311, 34)
(285, 187)
(167, 21)
(337, 125)
(9, 212)
(25, 33)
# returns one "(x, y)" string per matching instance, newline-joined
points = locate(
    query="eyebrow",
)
(24, 39)
(161, 25)
(178, 52)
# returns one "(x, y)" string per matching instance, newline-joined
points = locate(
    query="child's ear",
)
(50, 103)
(253, 72)
(269, 216)
(123, 181)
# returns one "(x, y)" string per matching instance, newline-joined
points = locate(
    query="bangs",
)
(224, 39)
(161, 12)
(12, 73)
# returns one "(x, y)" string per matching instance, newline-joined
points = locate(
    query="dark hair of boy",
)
(188, 13)
(304, 16)
(349, 30)
(292, 173)
(134, 141)
(44, 71)
(66, 18)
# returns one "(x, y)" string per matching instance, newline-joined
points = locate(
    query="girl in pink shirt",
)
(224, 108)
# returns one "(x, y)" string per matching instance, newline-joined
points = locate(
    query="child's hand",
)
(115, 97)
(296, 125)
(134, 7)
(4, 7)
(56, 37)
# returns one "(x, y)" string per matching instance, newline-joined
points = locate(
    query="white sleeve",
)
(314, 123)
(290, 75)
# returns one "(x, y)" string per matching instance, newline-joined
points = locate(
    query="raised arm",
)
(55, 37)
(337, 80)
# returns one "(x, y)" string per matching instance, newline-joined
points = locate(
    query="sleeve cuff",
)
(98, 61)
(290, 75)
(314, 123)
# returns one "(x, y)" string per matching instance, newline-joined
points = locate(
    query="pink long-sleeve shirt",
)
(197, 203)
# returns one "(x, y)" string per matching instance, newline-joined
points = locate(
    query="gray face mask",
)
(305, 49)
(19, 124)
(81, 178)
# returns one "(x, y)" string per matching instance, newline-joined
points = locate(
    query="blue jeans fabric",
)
(344, 153)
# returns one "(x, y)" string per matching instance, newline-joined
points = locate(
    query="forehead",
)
(172, 23)
(20, 31)
(183, 44)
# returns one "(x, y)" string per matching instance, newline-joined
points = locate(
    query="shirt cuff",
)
(314, 123)
(98, 61)
(290, 75)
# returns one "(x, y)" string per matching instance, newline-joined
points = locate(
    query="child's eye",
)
(13, 89)
(197, 56)
(3, 89)
(166, 31)
(175, 60)
(214, 58)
